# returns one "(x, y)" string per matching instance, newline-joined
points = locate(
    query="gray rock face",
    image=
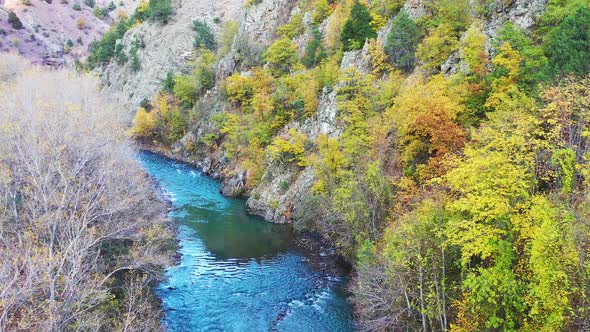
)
(281, 194)
(415, 8)
(168, 47)
(261, 21)
(522, 13)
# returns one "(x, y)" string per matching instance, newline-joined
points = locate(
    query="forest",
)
(461, 197)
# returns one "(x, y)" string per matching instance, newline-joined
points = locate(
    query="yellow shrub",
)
(289, 148)
(144, 124)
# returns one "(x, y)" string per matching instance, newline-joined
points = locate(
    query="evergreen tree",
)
(168, 82)
(568, 46)
(402, 41)
(204, 37)
(357, 28)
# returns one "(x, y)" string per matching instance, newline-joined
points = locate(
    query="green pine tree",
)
(357, 28)
(402, 41)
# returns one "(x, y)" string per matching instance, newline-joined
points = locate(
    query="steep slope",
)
(169, 47)
(56, 32)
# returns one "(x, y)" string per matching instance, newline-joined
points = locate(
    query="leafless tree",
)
(77, 213)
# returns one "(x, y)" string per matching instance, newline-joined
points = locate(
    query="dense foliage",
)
(461, 196)
(357, 28)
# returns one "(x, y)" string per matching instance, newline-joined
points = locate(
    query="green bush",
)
(90, 3)
(204, 72)
(314, 52)
(168, 82)
(14, 21)
(160, 10)
(294, 28)
(185, 88)
(357, 28)
(204, 35)
(282, 54)
(135, 63)
(102, 51)
(100, 12)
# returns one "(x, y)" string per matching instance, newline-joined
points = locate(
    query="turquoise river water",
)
(238, 272)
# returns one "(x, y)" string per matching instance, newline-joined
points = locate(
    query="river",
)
(238, 272)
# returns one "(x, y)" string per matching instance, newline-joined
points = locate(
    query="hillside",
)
(57, 32)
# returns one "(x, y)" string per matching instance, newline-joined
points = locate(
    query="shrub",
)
(357, 28)
(437, 47)
(90, 3)
(81, 23)
(135, 64)
(76, 6)
(282, 54)
(204, 72)
(321, 11)
(14, 21)
(160, 10)
(144, 126)
(122, 14)
(402, 40)
(204, 37)
(230, 30)
(289, 148)
(314, 52)
(102, 51)
(294, 28)
(185, 88)
(248, 54)
(168, 82)
(100, 12)
(239, 89)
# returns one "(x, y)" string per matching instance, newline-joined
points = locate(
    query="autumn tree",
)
(282, 55)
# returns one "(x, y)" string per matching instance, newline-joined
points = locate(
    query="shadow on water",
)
(238, 272)
(237, 236)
